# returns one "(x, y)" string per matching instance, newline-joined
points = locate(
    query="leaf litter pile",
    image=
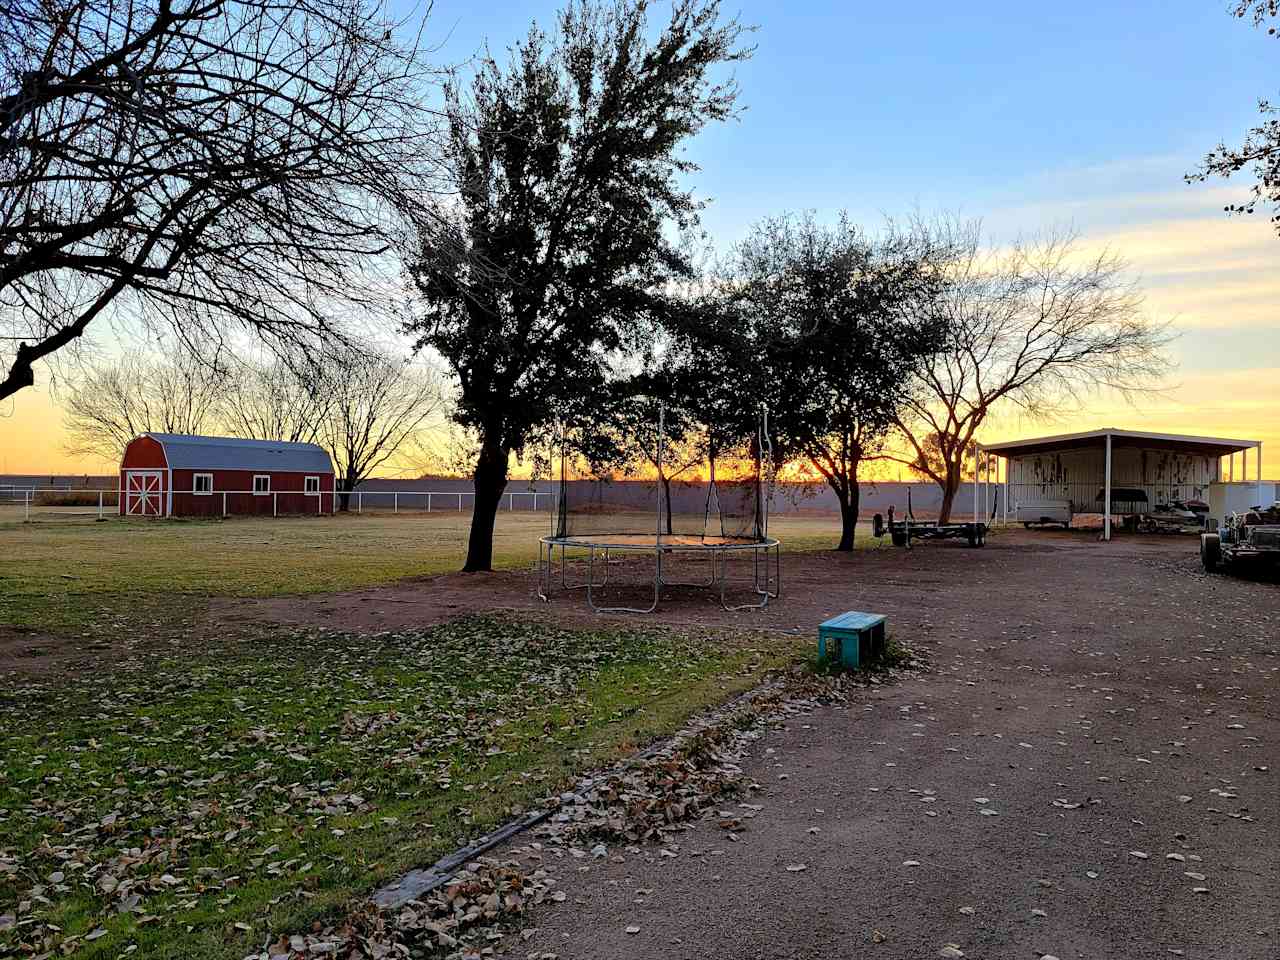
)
(649, 800)
(197, 806)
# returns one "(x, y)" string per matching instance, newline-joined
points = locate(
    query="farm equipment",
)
(1252, 537)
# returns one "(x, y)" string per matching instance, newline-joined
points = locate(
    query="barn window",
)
(312, 485)
(262, 484)
(202, 483)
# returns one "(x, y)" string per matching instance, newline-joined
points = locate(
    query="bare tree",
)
(276, 399)
(208, 164)
(170, 392)
(378, 406)
(1261, 147)
(1035, 327)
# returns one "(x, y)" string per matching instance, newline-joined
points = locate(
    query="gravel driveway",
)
(1087, 768)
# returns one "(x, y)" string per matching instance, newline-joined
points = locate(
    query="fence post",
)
(224, 504)
(360, 501)
(99, 504)
(428, 503)
(395, 503)
(275, 504)
(459, 503)
(26, 502)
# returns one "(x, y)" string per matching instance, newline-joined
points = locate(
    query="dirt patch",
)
(31, 652)
(814, 586)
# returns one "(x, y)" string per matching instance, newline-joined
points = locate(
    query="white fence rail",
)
(439, 500)
(101, 502)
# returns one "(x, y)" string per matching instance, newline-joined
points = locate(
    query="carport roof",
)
(1205, 446)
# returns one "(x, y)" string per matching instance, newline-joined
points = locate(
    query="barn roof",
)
(1205, 446)
(187, 452)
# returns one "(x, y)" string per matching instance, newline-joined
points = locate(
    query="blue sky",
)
(880, 107)
(1030, 116)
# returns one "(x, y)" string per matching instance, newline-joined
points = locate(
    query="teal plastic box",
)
(854, 638)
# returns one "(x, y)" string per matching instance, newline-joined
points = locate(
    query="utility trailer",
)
(902, 532)
(1252, 537)
(1044, 512)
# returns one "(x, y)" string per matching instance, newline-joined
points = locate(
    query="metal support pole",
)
(360, 501)
(976, 450)
(1261, 499)
(395, 503)
(26, 505)
(459, 503)
(224, 504)
(275, 504)
(662, 425)
(1006, 490)
(1106, 495)
(428, 503)
(99, 504)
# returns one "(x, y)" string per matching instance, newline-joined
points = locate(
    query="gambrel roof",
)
(187, 452)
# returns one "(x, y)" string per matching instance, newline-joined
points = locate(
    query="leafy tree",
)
(1261, 147)
(833, 335)
(552, 254)
(198, 165)
(1034, 327)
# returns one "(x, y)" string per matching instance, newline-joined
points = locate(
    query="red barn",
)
(174, 475)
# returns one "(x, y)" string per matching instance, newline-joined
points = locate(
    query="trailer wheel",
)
(1210, 551)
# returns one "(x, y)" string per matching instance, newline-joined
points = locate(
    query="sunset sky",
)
(1029, 116)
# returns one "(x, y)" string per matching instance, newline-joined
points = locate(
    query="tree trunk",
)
(849, 502)
(950, 488)
(490, 480)
(345, 486)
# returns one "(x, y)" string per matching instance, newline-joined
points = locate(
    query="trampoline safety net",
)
(686, 488)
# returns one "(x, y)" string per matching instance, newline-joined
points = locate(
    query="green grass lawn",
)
(198, 804)
(197, 801)
(72, 574)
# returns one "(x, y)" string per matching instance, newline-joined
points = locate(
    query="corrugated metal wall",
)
(1077, 475)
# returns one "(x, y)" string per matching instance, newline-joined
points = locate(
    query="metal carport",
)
(1161, 462)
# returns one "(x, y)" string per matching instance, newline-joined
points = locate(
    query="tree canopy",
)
(554, 252)
(824, 325)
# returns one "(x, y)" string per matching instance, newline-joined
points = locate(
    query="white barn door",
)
(143, 493)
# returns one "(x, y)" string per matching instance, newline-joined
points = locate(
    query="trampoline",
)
(704, 504)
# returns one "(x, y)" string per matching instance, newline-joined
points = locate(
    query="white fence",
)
(406, 501)
(99, 502)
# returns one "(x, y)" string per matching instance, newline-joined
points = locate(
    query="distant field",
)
(57, 575)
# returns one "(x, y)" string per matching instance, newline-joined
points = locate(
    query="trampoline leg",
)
(766, 594)
(591, 586)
